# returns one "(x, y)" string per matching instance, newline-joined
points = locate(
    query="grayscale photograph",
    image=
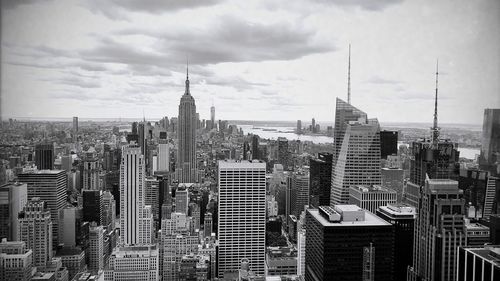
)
(233, 140)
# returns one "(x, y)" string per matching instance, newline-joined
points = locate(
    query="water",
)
(288, 133)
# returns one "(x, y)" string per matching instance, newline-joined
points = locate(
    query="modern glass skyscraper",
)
(320, 180)
(136, 221)
(242, 215)
(44, 156)
(490, 151)
(357, 158)
(186, 160)
(212, 117)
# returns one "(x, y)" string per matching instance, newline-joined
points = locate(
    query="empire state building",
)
(186, 160)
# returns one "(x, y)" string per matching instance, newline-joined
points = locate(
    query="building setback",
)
(478, 263)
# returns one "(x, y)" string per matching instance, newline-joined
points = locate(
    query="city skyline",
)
(129, 57)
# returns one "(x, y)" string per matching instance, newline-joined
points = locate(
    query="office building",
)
(50, 186)
(255, 148)
(299, 127)
(320, 179)
(152, 196)
(136, 219)
(439, 230)
(371, 197)
(96, 248)
(44, 156)
(108, 211)
(70, 220)
(301, 252)
(393, 178)
(92, 205)
(241, 223)
(35, 229)
(299, 192)
(388, 143)
(489, 158)
(175, 246)
(163, 156)
(182, 200)
(284, 154)
(75, 125)
(13, 198)
(357, 160)
(207, 227)
(476, 234)
(480, 192)
(349, 243)
(139, 263)
(91, 170)
(281, 261)
(16, 261)
(186, 157)
(402, 217)
(73, 259)
(212, 117)
(478, 263)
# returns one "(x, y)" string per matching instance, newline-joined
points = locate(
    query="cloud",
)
(371, 5)
(380, 80)
(119, 9)
(75, 81)
(12, 4)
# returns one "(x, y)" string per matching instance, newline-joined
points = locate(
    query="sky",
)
(253, 60)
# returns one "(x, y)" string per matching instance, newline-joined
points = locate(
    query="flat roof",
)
(37, 172)
(242, 164)
(370, 218)
(372, 188)
(399, 209)
(490, 253)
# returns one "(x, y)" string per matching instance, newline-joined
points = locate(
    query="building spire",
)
(349, 78)
(187, 77)
(435, 128)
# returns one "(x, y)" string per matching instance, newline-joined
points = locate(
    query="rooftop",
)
(372, 188)
(398, 210)
(369, 218)
(242, 164)
(489, 252)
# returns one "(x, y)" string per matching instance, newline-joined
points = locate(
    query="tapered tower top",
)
(187, 78)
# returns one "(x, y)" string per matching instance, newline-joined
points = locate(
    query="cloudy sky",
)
(255, 60)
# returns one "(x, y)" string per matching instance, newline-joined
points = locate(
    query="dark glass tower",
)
(490, 151)
(388, 143)
(44, 156)
(320, 179)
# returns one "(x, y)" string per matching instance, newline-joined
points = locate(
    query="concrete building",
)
(393, 178)
(241, 223)
(96, 249)
(13, 198)
(73, 259)
(371, 197)
(50, 186)
(348, 243)
(182, 200)
(16, 261)
(139, 263)
(478, 263)
(281, 261)
(35, 229)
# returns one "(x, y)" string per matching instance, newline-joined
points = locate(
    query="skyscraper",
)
(299, 126)
(35, 229)
(186, 160)
(96, 248)
(345, 242)
(75, 125)
(439, 230)
(371, 197)
(50, 186)
(44, 156)
(320, 179)
(357, 154)
(91, 169)
(136, 221)
(284, 153)
(212, 117)
(490, 150)
(388, 143)
(13, 198)
(16, 261)
(163, 156)
(242, 215)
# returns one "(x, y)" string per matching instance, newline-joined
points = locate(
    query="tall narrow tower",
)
(186, 160)
(435, 128)
(349, 78)
(212, 116)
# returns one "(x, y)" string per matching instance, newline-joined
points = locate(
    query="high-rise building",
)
(349, 243)
(299, 126)
(480, 192)
(371, 197)
(313, 125)
(388, 143)
(70, 221)
(152, 196)
(490, 144)
(207, 227)
(91, 170)
(108, 211)
(13, 198)
(35, 229)
(212, 117)
(357, 159)
(96, 248)
(299, 192)
(284, 153)
(403, 219)
(439, 230)
(163, 156)
(320, 179)
(16, 261)
(136, 219)
(92, 205)
(393, 178)
(182, 200)
(50, 186)
(186, 159)
(241, 223)
(73, 259)
(133, 263)
(174, 248)
(75, 125)
(478, 263)
(44, 156)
